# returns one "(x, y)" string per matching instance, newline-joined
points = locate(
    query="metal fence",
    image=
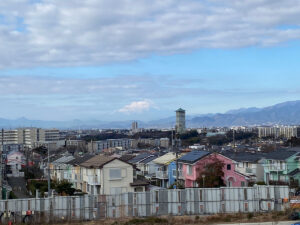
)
(195, 201)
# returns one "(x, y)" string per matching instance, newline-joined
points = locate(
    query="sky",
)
(126, 60)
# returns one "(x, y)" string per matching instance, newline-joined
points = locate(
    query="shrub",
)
(250, 216)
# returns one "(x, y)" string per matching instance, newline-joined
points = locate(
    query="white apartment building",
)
(28, 136)
(278, 131)
(99, 146)
(164, 142)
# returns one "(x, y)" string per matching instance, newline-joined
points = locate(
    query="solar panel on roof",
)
(193, 156)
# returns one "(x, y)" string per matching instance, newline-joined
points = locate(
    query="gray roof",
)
(294, 172)
(126, 157)
(63, 160)
(193, 156)
(149, 159)
(139, 158)
(280, 154)
(81, 159)
(244, 156)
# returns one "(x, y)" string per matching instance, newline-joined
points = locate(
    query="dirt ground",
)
(200, 220)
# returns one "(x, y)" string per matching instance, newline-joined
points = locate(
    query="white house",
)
(107, 175)
(15, 161)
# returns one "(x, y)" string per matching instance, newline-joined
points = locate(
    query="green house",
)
(281, 166)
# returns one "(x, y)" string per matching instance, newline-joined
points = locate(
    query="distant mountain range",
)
(287, 113)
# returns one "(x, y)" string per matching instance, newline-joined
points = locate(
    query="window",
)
(228, 166)
(243, 184)
(174, 173)
(115, 174)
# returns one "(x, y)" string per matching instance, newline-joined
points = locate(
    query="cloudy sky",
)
(142, 59)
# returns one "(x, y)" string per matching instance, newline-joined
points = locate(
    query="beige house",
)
(108, 175)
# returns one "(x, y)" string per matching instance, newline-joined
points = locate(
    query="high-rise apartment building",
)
(134, 127)
(180, 121)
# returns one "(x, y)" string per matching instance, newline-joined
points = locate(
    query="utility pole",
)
(233, 136)
(49, 180)
(177, 151)
(2, 164)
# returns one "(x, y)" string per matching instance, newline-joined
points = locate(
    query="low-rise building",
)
(281, 166)
(248, 164)
(99, 146)
(194, 164)
(162, 168)
(107, 175)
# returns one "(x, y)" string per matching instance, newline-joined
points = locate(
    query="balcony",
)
(161, 174)
(93, 180)
(276, 168)
(249, 170)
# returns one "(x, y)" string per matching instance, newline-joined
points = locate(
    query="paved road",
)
(269, 223)
(18, 185)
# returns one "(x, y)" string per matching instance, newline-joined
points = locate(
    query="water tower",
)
(180, 121)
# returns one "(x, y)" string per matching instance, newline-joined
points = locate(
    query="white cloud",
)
(93, 32)
(137, 106)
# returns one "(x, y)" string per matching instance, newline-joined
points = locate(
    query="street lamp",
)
(203, 177)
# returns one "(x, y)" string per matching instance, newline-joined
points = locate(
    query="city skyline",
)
(137, 63)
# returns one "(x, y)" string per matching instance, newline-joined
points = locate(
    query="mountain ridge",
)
(285, 113)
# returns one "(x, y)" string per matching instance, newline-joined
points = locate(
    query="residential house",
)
(144, 166)
(141, 161)
(162, 168)
(172, 173)
(107, 175)
(14, 163)
(248, 163)
(76, 176)
(194, 163)
(60, 169)
(280, 166)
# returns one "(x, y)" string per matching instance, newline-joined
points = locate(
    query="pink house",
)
(194, 162)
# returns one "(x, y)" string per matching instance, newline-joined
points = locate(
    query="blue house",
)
(172, 173)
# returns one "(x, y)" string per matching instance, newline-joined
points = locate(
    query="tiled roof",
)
(126, 158)
(97, 161)
(193, 156)
(81, 159)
